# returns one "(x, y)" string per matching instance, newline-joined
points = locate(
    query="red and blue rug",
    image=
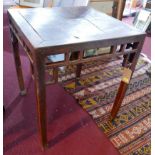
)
(130, 131)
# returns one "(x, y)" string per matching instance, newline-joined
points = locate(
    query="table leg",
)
(119, 98)
(78, 73)
(55, 74)
(39, 76)
(78, 70)
(77, 76)
(18, 64)
(32, 70)
(123, 85)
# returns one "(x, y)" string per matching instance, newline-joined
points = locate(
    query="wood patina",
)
(45, 31)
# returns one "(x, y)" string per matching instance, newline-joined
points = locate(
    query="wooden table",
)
(45, 31)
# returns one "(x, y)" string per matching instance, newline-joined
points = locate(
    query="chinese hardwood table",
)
(49, 31)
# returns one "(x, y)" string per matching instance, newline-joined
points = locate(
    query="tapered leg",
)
(78, 73)
(119, 98)
(55, 74)
(78, 70)
(18, 64)
(124, 85)
(39, 77)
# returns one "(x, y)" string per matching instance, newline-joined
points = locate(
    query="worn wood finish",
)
(69, 34)
(119, 98)
(39, 76)
(123, 86)
(18, 64)
(65, 30)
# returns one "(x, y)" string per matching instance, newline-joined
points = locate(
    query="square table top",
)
(68, 26)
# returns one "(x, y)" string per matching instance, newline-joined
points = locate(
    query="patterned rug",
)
(96, 90)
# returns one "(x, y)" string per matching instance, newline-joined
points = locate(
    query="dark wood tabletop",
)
(63, 27)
